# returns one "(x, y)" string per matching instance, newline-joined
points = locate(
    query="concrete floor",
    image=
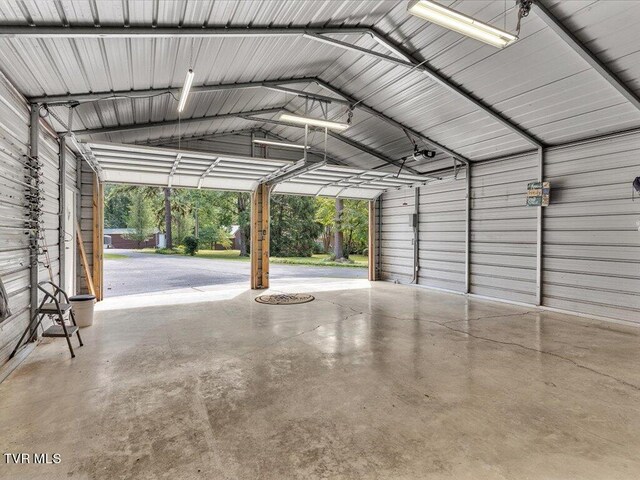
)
(376, 381)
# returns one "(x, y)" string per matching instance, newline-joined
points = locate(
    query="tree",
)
(244, 221)
(139, 219)
(213, 234)
(355, 225)
(121, 193)
(338, 245)
(116, 207)
(325, 216)
(182, 227)
(294, 229)
(167, 218)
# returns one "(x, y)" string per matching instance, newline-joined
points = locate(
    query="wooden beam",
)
(260, 236)
(98, 237)
(83, 259)
(372, 241)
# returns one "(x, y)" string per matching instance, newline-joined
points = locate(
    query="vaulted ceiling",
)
(459, 95)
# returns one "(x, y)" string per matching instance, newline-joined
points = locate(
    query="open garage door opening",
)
(175, 239)
(190, 219)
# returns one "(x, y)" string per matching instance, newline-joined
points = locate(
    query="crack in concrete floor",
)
(514, 344)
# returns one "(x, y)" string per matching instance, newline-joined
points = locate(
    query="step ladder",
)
(56, 306)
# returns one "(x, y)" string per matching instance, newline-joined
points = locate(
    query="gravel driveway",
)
(147, 272)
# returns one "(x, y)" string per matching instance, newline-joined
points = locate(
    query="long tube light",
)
(316, 122)
(262, 141)
(185, 90)
(448, 18)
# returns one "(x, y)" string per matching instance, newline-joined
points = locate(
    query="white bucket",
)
(82, 306)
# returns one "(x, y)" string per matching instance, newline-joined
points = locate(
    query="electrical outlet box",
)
(413, 220)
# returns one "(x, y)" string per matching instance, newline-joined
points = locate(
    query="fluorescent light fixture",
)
(316, 122)
(185, 90)
(445, 17)
(279, 144)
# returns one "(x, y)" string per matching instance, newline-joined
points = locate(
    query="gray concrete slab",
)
(368, 381)
(146, 272)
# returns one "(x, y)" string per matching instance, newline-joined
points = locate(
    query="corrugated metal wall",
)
(14, 243)
(48, 153)
(86, 223)
(396, 244)
(442, 233)
(14, 240)
(591, 238)
(503, 230)
(591, 243)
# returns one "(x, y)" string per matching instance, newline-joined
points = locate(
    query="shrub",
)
(190, 245)
(318, 248)
(167, 251)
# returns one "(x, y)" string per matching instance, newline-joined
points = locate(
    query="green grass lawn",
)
(115, 256)
(359, 261)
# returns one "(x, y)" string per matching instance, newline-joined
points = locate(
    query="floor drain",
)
(285, 298)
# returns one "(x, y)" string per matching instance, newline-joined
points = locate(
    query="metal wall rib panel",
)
(14, 243)
(591, 238)
(48, 153)
(442, 233)
(396, 235)
(503, 230)
(86, 223)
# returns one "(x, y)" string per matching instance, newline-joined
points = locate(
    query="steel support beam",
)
(371, 250)
(186, 121)
(539, 232)
(62, 219)
(310, 96)
(386, 43)
(390, 121)
(317, 34)
(434, 75)
(312, 151)
(416, 236)
(344, 99)
(594, 62)
(348, 141)
(149, 92)
(88, 156)
(12, 31)
(207, 136)
(34, 133)
(250, 131)
(467, 229)
(372, 152)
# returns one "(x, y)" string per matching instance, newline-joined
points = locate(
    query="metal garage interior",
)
(492, 340)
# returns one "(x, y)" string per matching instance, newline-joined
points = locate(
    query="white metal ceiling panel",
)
(538, 83)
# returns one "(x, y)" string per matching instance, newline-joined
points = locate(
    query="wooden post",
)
(372, 241)
(98, 236)
(260, 230)
(83, 259)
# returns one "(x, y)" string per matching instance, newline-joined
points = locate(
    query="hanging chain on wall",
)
(34, 204)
